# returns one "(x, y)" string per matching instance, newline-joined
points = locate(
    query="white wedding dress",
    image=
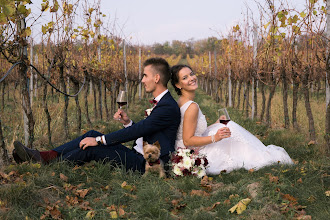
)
(241, 150)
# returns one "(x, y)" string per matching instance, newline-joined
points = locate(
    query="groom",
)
(161, 125)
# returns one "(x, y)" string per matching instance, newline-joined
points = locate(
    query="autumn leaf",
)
(63, 177)
(213, 206)
(311, 143)
(113, 214)
(82, 192)
(226, 202)
(124, 185)
(90, 214)
(299, 180)
(251, 170)
(327, 193)
(199, 193)
(232, 196)
(240, 206)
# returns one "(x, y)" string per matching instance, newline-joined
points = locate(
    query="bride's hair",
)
(175, 76)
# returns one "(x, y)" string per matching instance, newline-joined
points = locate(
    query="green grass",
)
(30, 191)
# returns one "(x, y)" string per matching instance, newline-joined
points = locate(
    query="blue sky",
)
(150, 21)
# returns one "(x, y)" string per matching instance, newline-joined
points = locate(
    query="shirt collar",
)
(160, 96)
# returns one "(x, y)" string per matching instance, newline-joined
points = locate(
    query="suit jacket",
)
(161, 125)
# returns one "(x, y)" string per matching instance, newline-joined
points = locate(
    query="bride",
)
(226, 147)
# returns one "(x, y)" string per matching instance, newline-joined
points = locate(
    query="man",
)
(161, 125)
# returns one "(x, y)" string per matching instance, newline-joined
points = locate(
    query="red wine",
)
(122, 103)
(224, 121)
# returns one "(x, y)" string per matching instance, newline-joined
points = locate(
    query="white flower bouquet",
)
(185, 162)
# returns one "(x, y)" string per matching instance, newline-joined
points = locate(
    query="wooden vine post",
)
(327, 122)
(26, 104)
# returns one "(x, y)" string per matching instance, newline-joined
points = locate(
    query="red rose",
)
(198, 162)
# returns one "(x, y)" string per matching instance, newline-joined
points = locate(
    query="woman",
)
(226, 147)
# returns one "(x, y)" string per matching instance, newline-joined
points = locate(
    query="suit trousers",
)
(116, 154)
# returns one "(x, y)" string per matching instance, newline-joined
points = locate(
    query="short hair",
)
(175, 76)
(162, 67)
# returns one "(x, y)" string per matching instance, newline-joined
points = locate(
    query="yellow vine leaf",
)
(266, 25)
(113, 214)
(90, 214)
(302, 14)
(240, 206)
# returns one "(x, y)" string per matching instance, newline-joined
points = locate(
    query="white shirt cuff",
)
(129, 124)
(103, 140)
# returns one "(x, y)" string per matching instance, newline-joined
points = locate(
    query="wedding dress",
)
(241, 150)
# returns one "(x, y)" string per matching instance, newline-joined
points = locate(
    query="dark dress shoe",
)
(16, 157)
(27, 154)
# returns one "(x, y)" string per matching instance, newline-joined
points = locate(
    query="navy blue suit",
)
(161, 125)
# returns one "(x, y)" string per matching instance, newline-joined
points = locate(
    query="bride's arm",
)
(189, 128)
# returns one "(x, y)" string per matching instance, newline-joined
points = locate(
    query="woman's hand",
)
(222, 133)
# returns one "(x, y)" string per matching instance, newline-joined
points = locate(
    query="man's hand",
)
(87, 142)
(121, 116)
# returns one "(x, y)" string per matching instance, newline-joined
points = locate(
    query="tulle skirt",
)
(241, 150)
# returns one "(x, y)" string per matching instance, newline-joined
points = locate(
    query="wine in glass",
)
(122, 99)
(223, 116)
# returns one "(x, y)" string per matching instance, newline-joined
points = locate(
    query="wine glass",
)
(122, 99)
(223, 116)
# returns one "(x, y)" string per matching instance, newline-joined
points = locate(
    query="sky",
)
(150, 21)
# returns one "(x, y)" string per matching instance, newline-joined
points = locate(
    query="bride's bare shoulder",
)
(192, 110)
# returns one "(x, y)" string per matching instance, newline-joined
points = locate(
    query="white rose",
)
(187, 162)
(177, 170)
(201, 173)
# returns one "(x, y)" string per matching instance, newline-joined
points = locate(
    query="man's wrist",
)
(99, 140)
(128, 123)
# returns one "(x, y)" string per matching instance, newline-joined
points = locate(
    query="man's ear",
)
(157, 78)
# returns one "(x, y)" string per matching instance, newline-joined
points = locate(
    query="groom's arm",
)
(160, 118)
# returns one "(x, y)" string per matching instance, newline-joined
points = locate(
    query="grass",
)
(101, 191)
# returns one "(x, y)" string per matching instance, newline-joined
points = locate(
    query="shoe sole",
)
(20, 151)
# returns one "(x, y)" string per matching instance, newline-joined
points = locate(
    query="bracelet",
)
(213, 138)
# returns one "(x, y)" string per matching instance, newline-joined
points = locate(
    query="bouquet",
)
(184, 162)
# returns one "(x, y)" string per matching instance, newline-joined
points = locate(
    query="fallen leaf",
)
(82, 192)
(90, 214)
(311, 143)
(199, 193)
(232, 196)
(113, 214)
(213, 206)
(253, 189)
(121, 212)
(63, 177)
(124, 185)
(289, 198)
(226, 202)
(36, 165)
(311, 199)
(55, 213)
(240, 206)
(299, 180)
(304, 217)
(327, 193)
(251, 170)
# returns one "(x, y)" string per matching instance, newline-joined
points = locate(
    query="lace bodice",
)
(201, 121)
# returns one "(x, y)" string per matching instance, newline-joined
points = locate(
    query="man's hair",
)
(161, 67)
